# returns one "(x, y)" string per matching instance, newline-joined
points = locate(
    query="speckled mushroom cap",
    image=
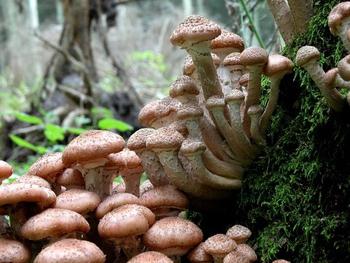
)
(150, 257)
(253, 56)
(78, 200)
(164, 196)
(215, 102)
(22, 192)
(71, 251)
(157, 109)
(188, 112)
(5, 170)
(344, 68)
(235, 258)
(255, 109)
(278, 65)
(280, 261)
(243, 81)
(114, 201)
(239, 233)
(188, 67)
(219, 245)
(229, 41)
(12, 251)
(183, 86)
(164, 139)
(32, 179)
(247, 252)
(125, 159)
(330, 77)
(92, 145)
(190, 147)
(126, 221)
(235, 95)
(49, 166)
(173, 236)
(137, 141)
(232, 59)
(54, 222)
(70, 177)
(194, 29)
(337, 15)
(306, 54)
(198, 255)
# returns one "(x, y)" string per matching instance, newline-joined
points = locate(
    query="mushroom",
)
(235, 258)
(334, 98)
(254, 113)
(280, 261)
(150, 257)
(239, 233)
(198, 255)
(32, 179)
(247, 252)
(5, 170)
(164, 201)
(218, 246)
(227, 43)
(125, 225)
(13, 251)
(339, 22)
(173, 236)
(146, 186)
(235, 69)
(71, 179)
(55, 223)
(88, 153)
(71, 251)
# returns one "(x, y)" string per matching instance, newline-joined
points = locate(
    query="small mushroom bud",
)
(239, 233)
(218, 246)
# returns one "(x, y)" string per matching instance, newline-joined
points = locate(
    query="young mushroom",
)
(218, 246)
(240, 234)
(339, 22)
(199, 255)
(71, 179)
(12, 251)
(150, 257)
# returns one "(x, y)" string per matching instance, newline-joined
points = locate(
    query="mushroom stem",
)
(317, 74)
(132, 180)
(343, 33)
(98, 180)
(153, 168)
(254, 113)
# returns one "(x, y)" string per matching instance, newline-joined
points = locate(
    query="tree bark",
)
(301, 11)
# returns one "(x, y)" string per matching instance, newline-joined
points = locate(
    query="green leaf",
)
(54, 132)
(76, 131)
(25, 144)
(114, 124)
(31, 119)
(101, 112)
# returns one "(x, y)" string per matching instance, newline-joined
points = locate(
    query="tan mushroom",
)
(218, 246)
(339, 22)
(247, 252)
(198, 255)
(32, 179)
(150, 257)
(239, 233)
(12, 251)
(71, 179)
(5, 170)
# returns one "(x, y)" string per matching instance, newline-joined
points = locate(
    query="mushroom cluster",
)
(329, 83)
(210, 128)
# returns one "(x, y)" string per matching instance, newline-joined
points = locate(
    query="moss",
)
(296, 195)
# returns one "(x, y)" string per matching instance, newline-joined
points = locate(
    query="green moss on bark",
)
(296, 195)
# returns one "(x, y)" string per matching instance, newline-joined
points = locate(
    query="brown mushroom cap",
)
(228, 40)
(233, 257)
(232, 59)
(239, 233)
(188, 67)
(115, 201)
(125, 159)
(219, 245)
(280, 261)
(190, 146)
(32, 179)
(13, 251)
(234, 95)
(164, 196)
(22, 192)
(253, 56)
(215, 102)
(78, 200)
(344, 68)
(198, 255)
(306, 54)
(165, 139)
(71, 251)
(330, 77)
(54, 222)
(70, 177)
(278, 64)
(150, 257)
(337, 15)
(137, 141)
(247, 252)
(183, 86)
(92, 145)
(5, 170)
(126, 221)
(243, 81)
(48, 166)
(194, 29)
(190, 112)
(173, 236)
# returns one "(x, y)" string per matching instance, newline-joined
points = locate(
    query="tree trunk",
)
(302, 11)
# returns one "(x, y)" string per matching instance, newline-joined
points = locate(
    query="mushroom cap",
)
(243, 81)
(137, 141)
(5, 170)
(22, 192)
(219, 245)
(13, 251)
(126, 221)
(228, 39)
(234, 95)
(114, 201)
(280, 261)
(307, 54)
(253, 56)
(239, 233)
(337, 15)
(188, 112)
(198, 255)
(164, 196)
(54, 222)
(344, 68)
(173, 236)
(183, 86)
(92, 145)
(277, 65)
(255, 110)
(165, 139)
(150, 257)
(233, 257)
(330, 77)
(78, 200)
(194, 29)
(247, 252)
(71, 251)
(157, 109)
(215, 102)
(232, 59)
(48, 166)
(32, 179)
(70, 177)
(191, 147)
(125, 159)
